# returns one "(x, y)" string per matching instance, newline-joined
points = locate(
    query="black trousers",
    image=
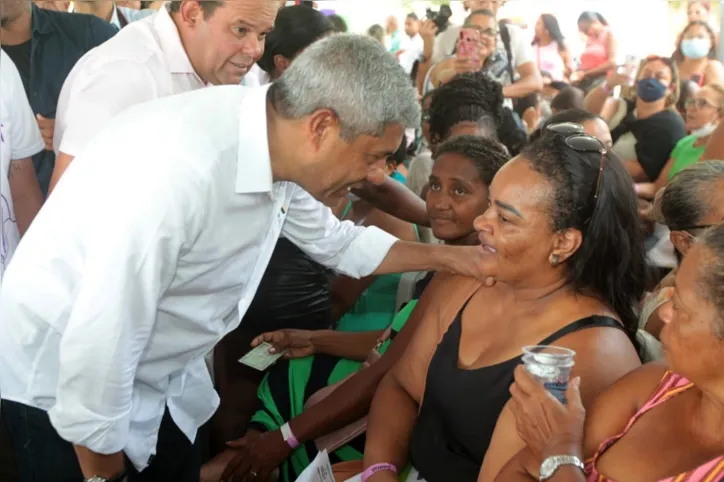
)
(42, 456)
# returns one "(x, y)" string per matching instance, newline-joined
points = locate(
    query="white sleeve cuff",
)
(366, 252)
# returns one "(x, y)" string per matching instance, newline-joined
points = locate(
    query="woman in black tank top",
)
(562, 239)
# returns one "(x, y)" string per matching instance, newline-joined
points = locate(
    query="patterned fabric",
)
(671, 385)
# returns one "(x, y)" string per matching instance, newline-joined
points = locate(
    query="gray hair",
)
(711, 281)
(686, 200)
(355, 77)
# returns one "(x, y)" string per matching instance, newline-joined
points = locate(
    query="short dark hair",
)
(340, 26)
(295, 29)
(413, 16)
(208, 6)
(568, 98)
(487, 155)
(611, 261)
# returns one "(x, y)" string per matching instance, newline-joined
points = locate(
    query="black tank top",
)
(461, 407)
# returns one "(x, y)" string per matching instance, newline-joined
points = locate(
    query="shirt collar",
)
(115, 21)
(176, 57)
(253, 165)
(40, 22)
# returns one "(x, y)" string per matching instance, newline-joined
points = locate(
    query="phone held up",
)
(469, 44)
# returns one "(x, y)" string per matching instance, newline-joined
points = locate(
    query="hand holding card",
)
(259, 358)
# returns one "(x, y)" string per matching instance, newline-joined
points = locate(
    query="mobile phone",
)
(469, 43)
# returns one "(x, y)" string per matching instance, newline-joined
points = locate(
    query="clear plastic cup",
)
(552, 366)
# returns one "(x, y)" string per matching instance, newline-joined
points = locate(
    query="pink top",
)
(596, 51)
(550, 60)
(670, 386)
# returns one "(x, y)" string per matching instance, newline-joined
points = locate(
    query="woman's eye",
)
(459, 192)
(434, 186)
(503, 218)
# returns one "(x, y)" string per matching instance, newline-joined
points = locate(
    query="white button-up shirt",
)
(120, 289)
(144, 61)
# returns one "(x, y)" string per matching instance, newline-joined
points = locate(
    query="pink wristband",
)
(373, 469)
(288, 436)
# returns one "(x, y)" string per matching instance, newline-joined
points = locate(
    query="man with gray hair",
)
(110, 306)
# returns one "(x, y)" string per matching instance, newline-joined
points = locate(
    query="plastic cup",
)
(551, 365)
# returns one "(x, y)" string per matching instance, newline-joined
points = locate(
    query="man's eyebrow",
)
(508, 207)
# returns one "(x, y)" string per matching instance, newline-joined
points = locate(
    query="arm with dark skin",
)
(529, 82)
(25, 191)
(345, 290)
(349, 402)
(395, 199)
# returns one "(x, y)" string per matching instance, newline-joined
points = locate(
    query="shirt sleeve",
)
(522, 50)
(340, 245)
(654, 143)
(130, 261)
(25, 138)
(96, 94)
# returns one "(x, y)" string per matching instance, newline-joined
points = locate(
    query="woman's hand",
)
(428, 32)
(295, 343)
(545, 425)
(257, 455)
(465, 64)
(616, 79)
(577, 76)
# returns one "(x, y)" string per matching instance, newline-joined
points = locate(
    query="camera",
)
(441, 18)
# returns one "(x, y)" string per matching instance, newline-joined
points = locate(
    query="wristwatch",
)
(550, 465)
(118, 478)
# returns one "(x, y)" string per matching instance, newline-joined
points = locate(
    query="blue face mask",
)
(650, 90)
(695, 48)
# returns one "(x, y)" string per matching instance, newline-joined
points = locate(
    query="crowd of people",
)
(395, 213)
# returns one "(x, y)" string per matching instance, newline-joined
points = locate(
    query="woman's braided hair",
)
(470, 97)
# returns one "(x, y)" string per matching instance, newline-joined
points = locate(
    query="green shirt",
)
(685, 154)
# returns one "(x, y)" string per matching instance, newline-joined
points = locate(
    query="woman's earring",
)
(554, 260)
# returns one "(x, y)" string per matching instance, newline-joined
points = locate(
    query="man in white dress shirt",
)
(120, 289)
(187, 45)
(412, 45)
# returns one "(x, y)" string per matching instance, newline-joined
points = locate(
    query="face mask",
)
(650, 90)
(696, 48)
(705, 131)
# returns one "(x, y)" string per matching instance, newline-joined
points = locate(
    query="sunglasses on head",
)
(692, 228)
(576, 138)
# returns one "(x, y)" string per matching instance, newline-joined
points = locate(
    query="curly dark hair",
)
(487, 155)
(611, 261)
(467, 97)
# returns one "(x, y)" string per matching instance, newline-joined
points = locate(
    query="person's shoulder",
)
(12, 92)
(88, 30)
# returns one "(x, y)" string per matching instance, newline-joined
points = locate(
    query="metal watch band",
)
(551, 465)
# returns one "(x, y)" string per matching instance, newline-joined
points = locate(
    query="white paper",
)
(320, 470)
(356, 478)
